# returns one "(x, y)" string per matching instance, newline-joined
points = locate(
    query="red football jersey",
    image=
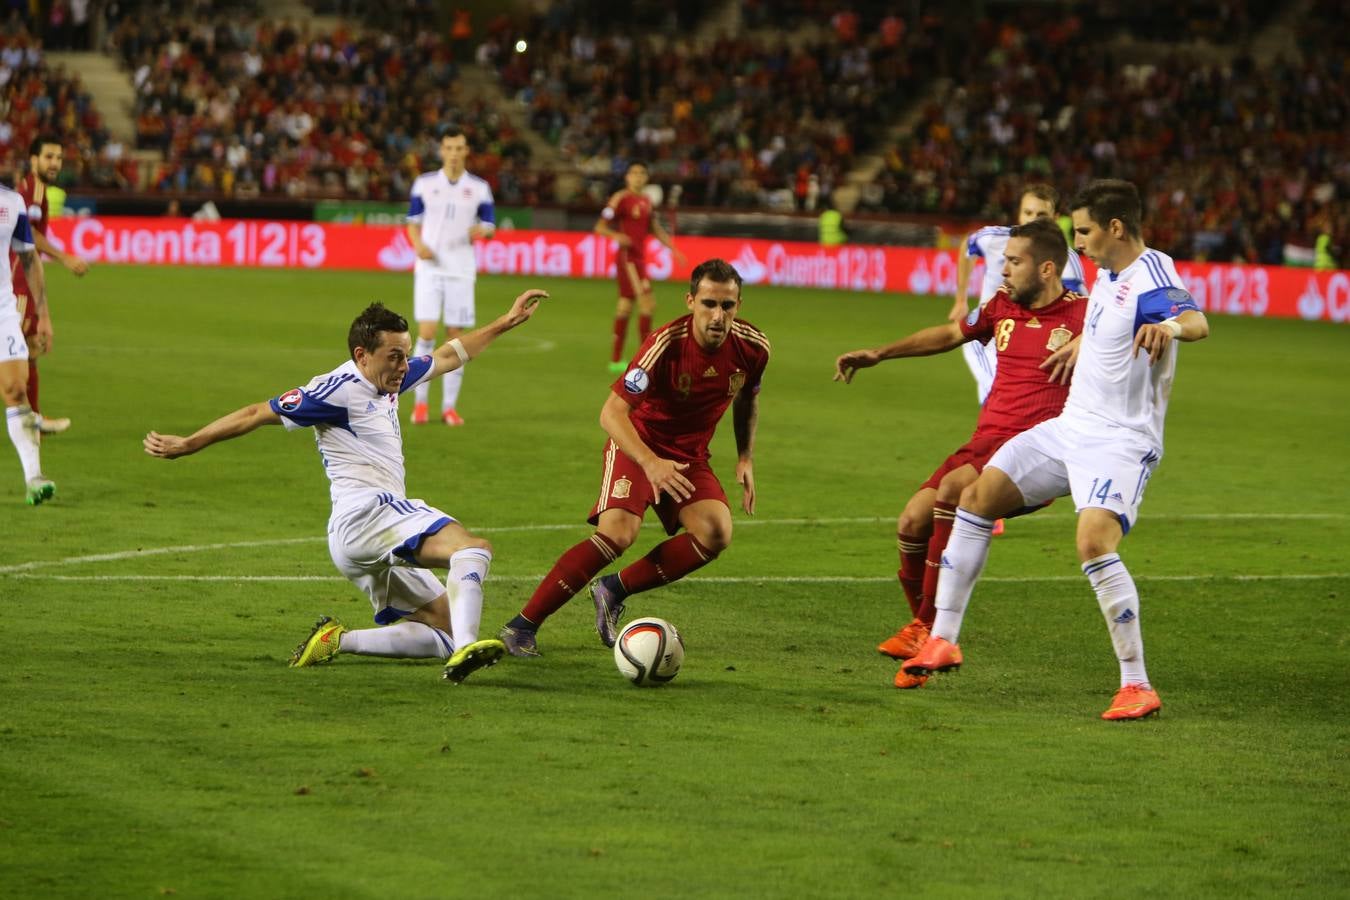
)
(1022, 396)
(679, 391)
(633, 217)
(34, 194)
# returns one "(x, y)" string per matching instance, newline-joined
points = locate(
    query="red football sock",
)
(668, 561)
(573, 571)
(944, 516)
(32, 386)
(644, 327)
(912, 553)
(620, 332)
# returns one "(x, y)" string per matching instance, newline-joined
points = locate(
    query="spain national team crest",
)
(1058, 338)
(622, 488)
(735, 383)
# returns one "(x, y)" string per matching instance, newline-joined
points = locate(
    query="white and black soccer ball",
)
(649, 651)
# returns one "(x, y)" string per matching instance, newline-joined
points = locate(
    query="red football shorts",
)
(631, 270)
(975, 452)
(625, 486)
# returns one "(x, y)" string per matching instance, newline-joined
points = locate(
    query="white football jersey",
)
(446, 210)
(990, 244)
(355, 427)
(17, 234)
(1112, 387)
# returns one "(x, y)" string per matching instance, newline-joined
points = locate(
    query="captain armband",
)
(458, 346)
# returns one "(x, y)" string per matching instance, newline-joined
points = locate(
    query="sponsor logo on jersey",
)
(291, 400)
(622, 488)
(1058, 338)
(1033, 322)
(710, 372)
(636, 381)
(370, 406)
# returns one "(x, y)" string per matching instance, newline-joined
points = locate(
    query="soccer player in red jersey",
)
(660, 417)
(45, 159)
(1032, 321)
(627, 220)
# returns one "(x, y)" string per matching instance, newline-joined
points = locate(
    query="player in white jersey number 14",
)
(381, 540)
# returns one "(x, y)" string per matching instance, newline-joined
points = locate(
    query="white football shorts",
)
(443, 298)
(13, 345)
(1108, 469)
(982, 360)
(372, 544)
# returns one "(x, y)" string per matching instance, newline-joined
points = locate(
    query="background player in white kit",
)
(449, 209)
(17, 234)
(1102, 449)
(989, 243)
(383, 542)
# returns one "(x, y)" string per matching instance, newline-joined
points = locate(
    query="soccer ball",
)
(649, 651)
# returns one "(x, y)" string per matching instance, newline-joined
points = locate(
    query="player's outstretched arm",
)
(72, 262)
(455, 353)
(241, 421)
(964, 266)
(926, 342)
(664, 474)
(1153, 337)
(744, 420)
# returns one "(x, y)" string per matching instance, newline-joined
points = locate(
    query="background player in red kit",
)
(1032, 320)
(45, 159)
(660, 417)
(627, 220)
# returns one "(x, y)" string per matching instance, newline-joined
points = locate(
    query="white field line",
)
(708, 579)
(19, 568)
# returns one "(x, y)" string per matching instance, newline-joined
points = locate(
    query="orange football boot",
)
(1133, 701)
(937, 655)
(905, 642)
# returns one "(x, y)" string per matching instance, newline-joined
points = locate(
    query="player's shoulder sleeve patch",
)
(1164, 303)
(299, 408)
(418, 368)
(636, 381)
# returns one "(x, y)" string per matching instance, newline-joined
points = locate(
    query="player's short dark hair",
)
(1112, 198)
(718, 271)
(636, 162)
(1042, 191)
(366, 329)
(451, 131)
(1047, 241)
(42, 140)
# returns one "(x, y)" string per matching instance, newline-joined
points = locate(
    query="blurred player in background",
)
(381, 541)
(627, 220)
(660, 417)
(45, 158)
(1029, 320)
(987, 243)
(20, 419)
(450, 209)
(1102, 449)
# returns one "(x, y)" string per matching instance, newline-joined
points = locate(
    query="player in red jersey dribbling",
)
(660, 417)
(1033, 322)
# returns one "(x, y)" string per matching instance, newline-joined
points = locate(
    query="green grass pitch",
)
(153, 742)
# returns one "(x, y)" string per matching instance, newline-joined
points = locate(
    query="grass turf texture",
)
(154, 742)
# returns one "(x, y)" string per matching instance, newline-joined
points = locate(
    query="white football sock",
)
(423, 348)
(403, 640)
(464, 585)
(24, 434)
(451, 382)
(1119, 600)
(962, 563)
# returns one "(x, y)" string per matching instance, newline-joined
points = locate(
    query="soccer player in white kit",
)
(989, 244)
(17, 234)
(381, 540)
(448, 211)
(1102, 449)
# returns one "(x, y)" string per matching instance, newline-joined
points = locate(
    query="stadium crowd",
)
(1236, 158)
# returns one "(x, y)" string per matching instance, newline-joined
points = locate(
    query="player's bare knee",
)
(713, 534)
